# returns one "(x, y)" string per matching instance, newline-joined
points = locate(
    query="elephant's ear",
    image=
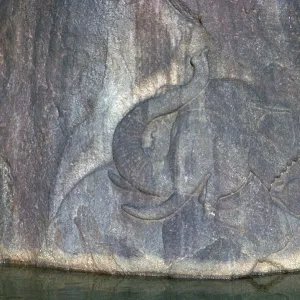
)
(185, 11)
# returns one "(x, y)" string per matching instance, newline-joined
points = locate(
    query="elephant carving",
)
(223, 134)
(135, 167)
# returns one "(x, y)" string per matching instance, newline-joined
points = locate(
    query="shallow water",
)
(33, 283)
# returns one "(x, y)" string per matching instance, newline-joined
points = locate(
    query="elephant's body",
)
(231, 133)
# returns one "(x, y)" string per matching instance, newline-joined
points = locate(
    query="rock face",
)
(153, 137)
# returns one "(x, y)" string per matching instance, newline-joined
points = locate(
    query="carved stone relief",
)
(167, 135)
(239, 144)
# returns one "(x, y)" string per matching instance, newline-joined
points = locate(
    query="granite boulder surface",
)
(153, 137)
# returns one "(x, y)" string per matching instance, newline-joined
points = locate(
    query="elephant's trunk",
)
(131, 161)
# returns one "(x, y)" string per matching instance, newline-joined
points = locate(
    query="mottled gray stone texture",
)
(156, 137)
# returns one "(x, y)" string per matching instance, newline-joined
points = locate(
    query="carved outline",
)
(166, 209)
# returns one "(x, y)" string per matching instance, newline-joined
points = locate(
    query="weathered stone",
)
(153, 137)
